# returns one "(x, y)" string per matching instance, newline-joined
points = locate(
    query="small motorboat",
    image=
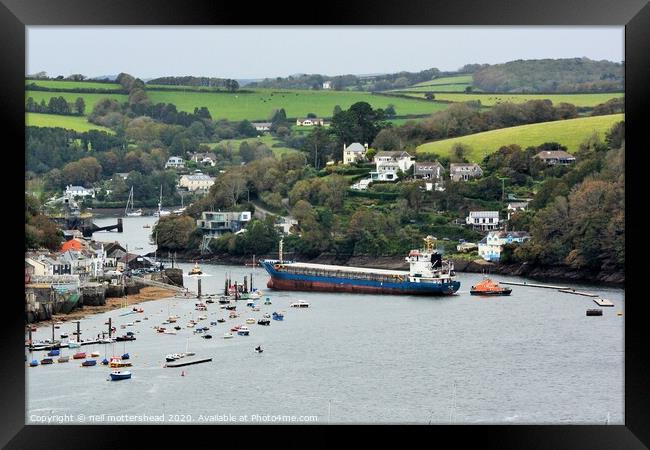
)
(235, 328)
(177, 327)
(173, 357)
(264, 322)
(213, 322)
(125, 338)
(233, 315)
(79, 355)
(489, 287)
(243, 331)
(126, 356)
(129, 333)
(104, 362)
(73, 344)
(221, 320)
(117, 375)
(54, 352)
(590, 312)
(267, 316)
(63, 359)
(47, 361)
(89, 362)
(146, 225)
(250, 320)
(34, 362)
(94, 354)
(224, 300)
(116, 361)
(209, 300)
(267, 301)
(196, 270)
(225, 336)
(64, 336)
(250, 303)
(207, 336)
(299, 304)
(169, 332)
(277, 316)
(258, 349)
(231, 307)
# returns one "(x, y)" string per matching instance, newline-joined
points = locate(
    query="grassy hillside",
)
(567, 132)
(466, 79)
(297, 103)
(75, 123)
(70, 97)
(580, 100)
(266, 139)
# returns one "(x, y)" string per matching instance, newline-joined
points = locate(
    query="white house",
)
(464, 172)
(196, 182)
(78, 191)
(516, 206)
(262, 126)
(553, 157)
(389, 163)
(310, 122)
(483, 220)
(175, 162)
(491, 246)
(207, 159)
(327, 85)
(354, 152)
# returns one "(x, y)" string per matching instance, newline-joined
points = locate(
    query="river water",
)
(531, 358)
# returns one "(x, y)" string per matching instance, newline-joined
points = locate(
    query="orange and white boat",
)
(489, 287)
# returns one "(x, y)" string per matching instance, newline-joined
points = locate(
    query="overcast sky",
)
(258, 52)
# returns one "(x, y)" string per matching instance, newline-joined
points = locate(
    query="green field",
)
(265, 139)
(61, 84)
(580, 100)
(297, 103)
(567, 132)
(70, 97)
(434, 88)
(465, 79)
(75, 123)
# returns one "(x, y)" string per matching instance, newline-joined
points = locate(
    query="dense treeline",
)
(226, 84)
(40, 232)
(56, 105)
(342, 82)
(551, 75)
(76, 89)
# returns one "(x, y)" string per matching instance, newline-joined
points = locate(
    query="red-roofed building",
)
(72, 244)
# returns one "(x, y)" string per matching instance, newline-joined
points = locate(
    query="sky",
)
(257, 52)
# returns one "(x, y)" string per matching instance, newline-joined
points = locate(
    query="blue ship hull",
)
(283, 280)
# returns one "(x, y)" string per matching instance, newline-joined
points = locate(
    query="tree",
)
(173, 233)
(390, 111)
(80, 106)
(387, 140)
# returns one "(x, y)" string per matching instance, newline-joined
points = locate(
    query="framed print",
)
(379, 214)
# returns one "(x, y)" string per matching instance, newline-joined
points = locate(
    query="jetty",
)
(188, 363)
(573, 291)
(547, 286)
(603, 302)
(159, 284)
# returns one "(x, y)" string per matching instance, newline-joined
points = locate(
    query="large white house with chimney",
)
(388, 164)
(354, 152)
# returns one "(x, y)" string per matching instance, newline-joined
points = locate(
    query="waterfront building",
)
(78, 191)
(197, 182)
(464, 172)
(354, 152)
(491, 246)
(483, 220)
(216, 223)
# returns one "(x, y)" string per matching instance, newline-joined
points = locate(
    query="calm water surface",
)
(532, 357)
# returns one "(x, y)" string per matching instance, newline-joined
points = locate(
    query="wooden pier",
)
(188, 363)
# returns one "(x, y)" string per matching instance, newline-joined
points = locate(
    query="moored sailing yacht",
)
(161, 212)
(129, 203)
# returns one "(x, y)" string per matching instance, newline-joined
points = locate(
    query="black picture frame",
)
(633, 14)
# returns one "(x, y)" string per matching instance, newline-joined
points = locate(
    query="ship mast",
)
(280, 250)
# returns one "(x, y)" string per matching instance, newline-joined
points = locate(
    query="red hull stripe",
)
(294, 285)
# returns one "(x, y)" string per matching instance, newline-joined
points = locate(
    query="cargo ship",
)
(429, 274)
